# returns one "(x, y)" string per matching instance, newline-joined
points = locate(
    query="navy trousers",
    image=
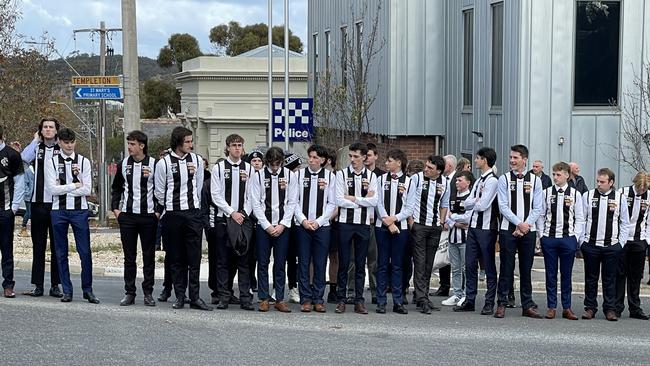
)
(7, 222)
(280, 246)
(509, 246)
(357, 236)
(78, 219)
(390, 250)
(599, 259)
(480, 246)
(313, 247)
(564, 250)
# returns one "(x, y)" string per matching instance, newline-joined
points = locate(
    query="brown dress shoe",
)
(360, 308)
(500, 312)
(531, 313)
(550, 314)
(9, 292)
(282, 307)
(568, 314)
(340, 308)
(319, 308)
(264, 306)
(589, 314)
(306, 307)
(611, 316)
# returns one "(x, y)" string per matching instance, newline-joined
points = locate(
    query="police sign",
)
(301, 120)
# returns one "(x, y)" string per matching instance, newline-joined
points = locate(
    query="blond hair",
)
(641, 181)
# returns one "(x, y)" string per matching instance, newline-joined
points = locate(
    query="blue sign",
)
(301, 120)
(88, 92)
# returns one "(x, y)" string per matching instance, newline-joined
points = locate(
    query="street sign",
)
(96, 80)
(97, 93)
(301, 121)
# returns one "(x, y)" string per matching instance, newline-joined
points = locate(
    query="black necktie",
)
(560, 190)
(75, 178)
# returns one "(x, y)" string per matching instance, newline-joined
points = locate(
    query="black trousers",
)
(183, 231)
(133, 226)
(226, 260)
(630, 272)
(407, 264)
(7, 222)
(41, 227)
(425, 244)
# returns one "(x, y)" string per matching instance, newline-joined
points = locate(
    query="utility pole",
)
(286, 75)
(101, 141)
(270, 75)
(130, 61)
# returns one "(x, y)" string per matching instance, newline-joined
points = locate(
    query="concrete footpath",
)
(538, 274)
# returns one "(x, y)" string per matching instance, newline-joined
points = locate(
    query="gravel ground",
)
(105, 245)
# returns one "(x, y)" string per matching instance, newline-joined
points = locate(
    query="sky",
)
(157, 20)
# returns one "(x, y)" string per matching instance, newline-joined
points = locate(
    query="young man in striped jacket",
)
(315, 206)
(137, 211)
(274, 192)
(482, 233)
(69, 179)
(356, 197)
(632, 259)
(178, 184)
(560, 226)
(394, 207)
(606, 232)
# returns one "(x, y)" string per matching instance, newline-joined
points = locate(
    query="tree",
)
(179, 48)
(634, 151)
(343, 100)
(26, 86)
(232, 40)
(156, 96)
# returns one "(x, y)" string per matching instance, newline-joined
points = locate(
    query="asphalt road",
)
(45, 331)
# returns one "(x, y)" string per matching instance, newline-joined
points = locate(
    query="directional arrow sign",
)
(98, 93)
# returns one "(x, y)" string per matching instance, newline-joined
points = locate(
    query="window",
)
(315, 53)
(468, 58)
(597, 53)
(497, 55)
(344, 56)
(327, 53)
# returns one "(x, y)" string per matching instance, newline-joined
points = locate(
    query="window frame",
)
(467, 107)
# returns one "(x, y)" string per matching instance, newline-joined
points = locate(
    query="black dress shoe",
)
(424, 308)
(222, 305)
(400, 309)
(381, 309)
(165, 294)
(246, 306)
(178, 304)
(66, 298)
(442, 291)
(91, 298)
(148, 300)
(234, 300)
(487, 309)
(55, 292)
(35, 292)
(129, 299)
(199, 304)
(467, 306)
(639, 315)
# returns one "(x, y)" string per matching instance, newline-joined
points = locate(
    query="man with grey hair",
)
(538, 170)
(576, 180)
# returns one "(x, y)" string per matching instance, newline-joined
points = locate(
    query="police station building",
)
(456, 75)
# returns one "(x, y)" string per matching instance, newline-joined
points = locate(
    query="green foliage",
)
(158, 144)
(179, 48)
(156, 95)
(232, 39)
(115, 148)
